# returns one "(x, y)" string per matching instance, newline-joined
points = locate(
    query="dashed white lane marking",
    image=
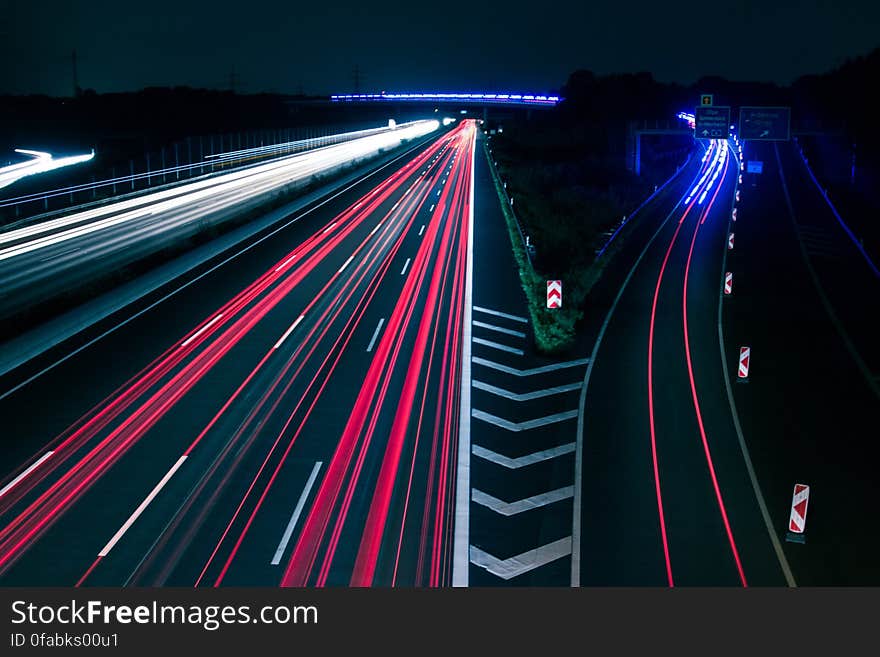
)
(431, 209)
(498, 313)
(345, 264)
(500, 329)
(521, 563)
(288, 331)
(523, 426)
(522, 461)
(33, 466)
(328, 228)
(372, 232)
(301, 502)
(141, 508)
(285, 263)
(519, 506)
(421, 230)
(529, 372)
(496, 345)
(201, 330)
(527, 396)
(375, 334)
(405, 266)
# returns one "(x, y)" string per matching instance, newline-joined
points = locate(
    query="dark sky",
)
(285, 45)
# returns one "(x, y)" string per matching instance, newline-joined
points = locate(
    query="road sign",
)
(765, 123)
(707, 100)
(554, 294)
(745, 354)
(730, 242)
(728, 283)
(797, 522)
(711, 122)
(755, 166)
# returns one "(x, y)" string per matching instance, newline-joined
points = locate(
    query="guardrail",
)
(526, 244)
(158, 179)
(628, 217)
(824, 192)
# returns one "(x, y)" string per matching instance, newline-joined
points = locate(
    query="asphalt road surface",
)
(293, 417)
(290, 419)
(688, 468)
(43, 260)
(667, 498)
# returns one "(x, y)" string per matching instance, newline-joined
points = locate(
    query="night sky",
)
(291, 46)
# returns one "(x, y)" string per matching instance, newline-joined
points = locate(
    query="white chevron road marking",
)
(499, 329)
(495, 345)
(521, 563)
(528, 372)
(525, 504)
(522, 461)
(498, 313)
(526, 396)
(523, 426)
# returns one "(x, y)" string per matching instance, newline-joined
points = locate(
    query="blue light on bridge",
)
(514, 99)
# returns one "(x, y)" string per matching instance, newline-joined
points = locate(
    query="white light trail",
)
(221, 192)
(40, 162)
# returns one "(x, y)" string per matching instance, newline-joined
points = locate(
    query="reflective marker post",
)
(745, 355)
(554, 294)
(797, 522)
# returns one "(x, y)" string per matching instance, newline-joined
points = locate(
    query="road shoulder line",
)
(578, 462)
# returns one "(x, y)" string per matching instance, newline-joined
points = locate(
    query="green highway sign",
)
(765, 123)
(712, 122)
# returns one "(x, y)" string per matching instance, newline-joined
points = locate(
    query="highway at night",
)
(290, 419)
(339, 327)
(354, 397)
(688, 461)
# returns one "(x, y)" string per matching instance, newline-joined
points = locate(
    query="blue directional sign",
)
(712, 122)
(765, 123)
(754, 166)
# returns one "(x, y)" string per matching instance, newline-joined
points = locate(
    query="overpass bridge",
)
(497, 106)
(494, 99)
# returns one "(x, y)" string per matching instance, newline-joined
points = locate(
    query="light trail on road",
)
(227, 468)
